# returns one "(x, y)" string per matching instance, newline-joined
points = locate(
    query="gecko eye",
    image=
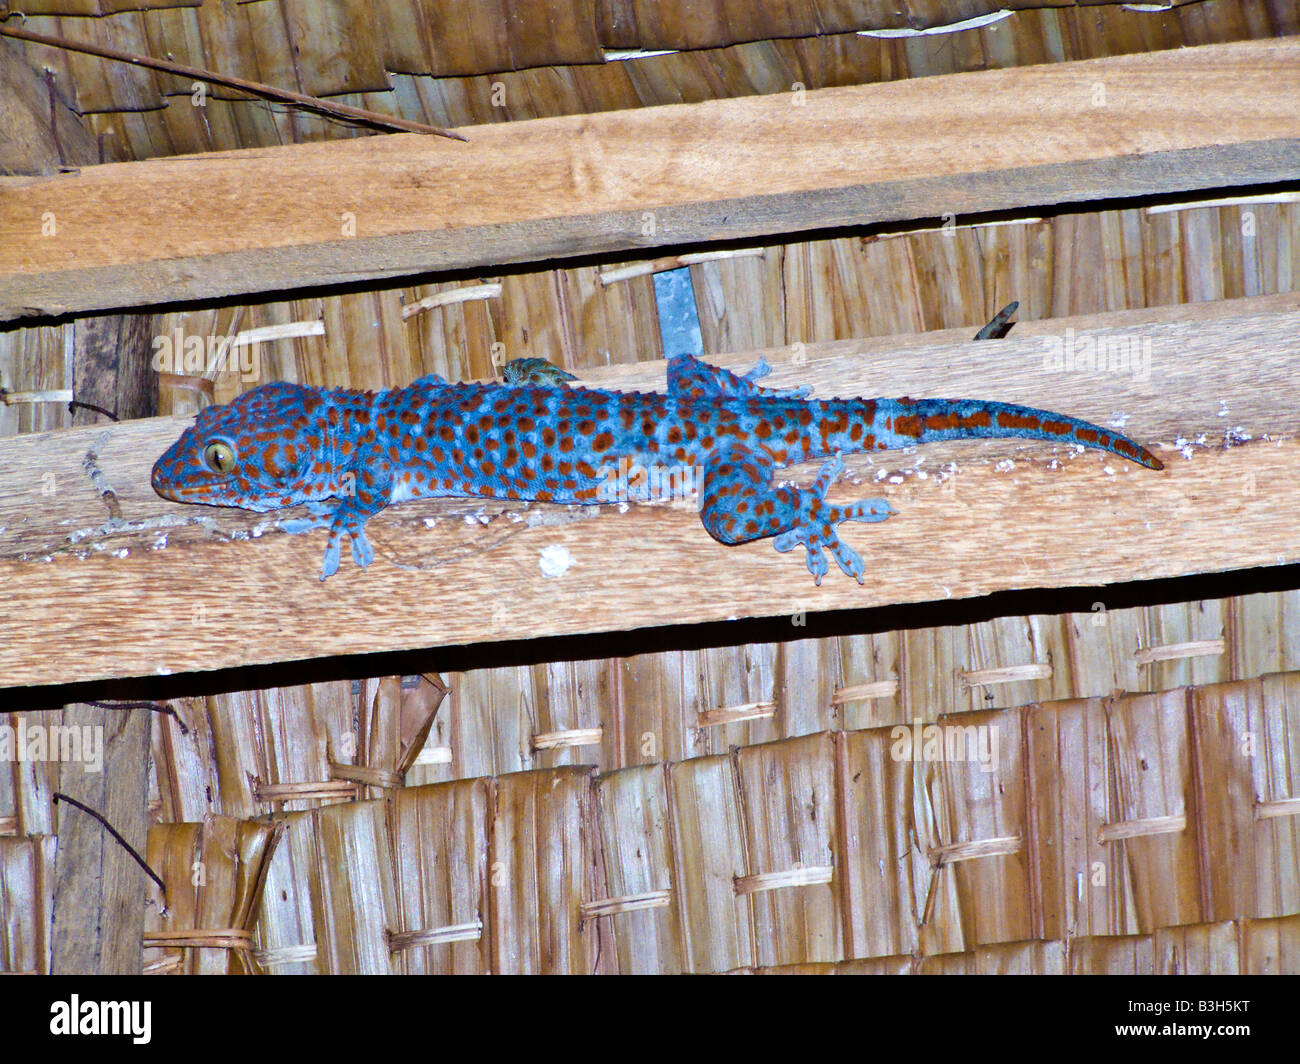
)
(219, 456)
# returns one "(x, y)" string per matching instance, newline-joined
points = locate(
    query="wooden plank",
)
(110, 367)
(203, 226)
(170, 588)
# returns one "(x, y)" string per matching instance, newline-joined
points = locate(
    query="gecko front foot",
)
(362, 552)
(322, 516)
(341, 521)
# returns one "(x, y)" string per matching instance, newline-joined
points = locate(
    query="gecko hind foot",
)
(816, 527)
(738, 503)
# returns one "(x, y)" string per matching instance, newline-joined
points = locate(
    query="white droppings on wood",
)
(555, 561)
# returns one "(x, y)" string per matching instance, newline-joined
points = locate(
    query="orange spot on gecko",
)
(1017, 421)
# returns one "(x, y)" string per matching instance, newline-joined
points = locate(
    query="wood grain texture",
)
(263, 219)
(169, 588)
(110, 367)
(99, 890)
(29, 143)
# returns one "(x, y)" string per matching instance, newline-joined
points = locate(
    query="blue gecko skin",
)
(348, 454)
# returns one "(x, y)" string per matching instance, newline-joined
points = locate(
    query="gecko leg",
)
(345, 517)
(738, 503)
(322, 516)
(762, 369)
(691, 378)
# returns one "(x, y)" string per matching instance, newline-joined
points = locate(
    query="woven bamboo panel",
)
(714, 920)
(26, 902)
(1248, 821)
(976, 808)
(683, 704)
(27, 787)
(246, 753)
(572, 318)
(362, 339)
(1249, 947)
(827, 848)
(541, 830)
(214, 871)
(636, 868)
(443, 877)
(329, 896)
(787, 803)
(992, 851)
(1013, 958)
(1269, 947)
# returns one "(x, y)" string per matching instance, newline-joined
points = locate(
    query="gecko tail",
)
(932, 420)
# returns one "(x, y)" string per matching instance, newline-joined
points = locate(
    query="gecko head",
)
(253, 452)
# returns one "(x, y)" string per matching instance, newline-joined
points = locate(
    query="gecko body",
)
(348, 454)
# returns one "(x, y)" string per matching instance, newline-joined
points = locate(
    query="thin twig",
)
(74, 403)
(155, 707)
(54, 114)
(255, 88)
(59, 796)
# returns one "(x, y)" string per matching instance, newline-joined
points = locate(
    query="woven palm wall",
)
(720, 803)
(468, 64)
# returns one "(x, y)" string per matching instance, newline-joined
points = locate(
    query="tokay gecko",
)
(348, 454)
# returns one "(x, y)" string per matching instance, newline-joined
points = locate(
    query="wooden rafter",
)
(213, 225)
(169, 588)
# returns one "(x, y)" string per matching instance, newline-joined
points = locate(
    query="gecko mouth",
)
(159, 486)
(172, 491)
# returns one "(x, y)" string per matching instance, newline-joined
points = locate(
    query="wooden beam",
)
(110, 367)
(168, 588)
(205, 226)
